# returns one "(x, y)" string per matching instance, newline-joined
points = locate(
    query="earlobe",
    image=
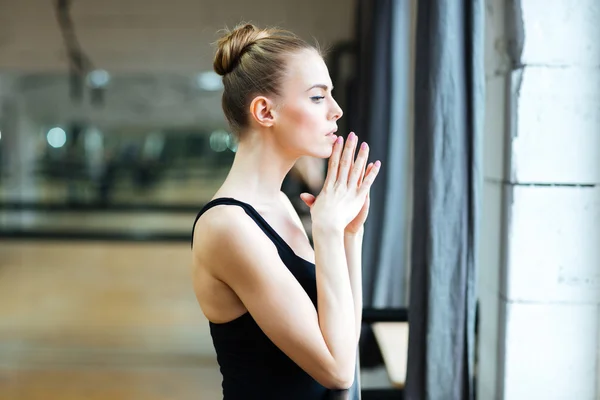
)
(261, 110)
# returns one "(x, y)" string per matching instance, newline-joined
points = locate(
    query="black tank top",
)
(251, 365)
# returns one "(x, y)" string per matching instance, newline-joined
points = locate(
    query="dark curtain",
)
(449, 105)
(377, 109)
(375, 98)
(379, 114)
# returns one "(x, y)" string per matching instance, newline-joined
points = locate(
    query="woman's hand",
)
(344, 200)
(357, 223)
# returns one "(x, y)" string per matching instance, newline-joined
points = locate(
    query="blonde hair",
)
(252, 62)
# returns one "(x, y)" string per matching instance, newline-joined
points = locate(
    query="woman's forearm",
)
(336, 310)
(353, 248)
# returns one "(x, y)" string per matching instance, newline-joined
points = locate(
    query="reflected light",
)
(0, 135)
(232, 142)
(209, 81)
(218, 140)
(98, 78)
(56, 137)
(93, 141)
(153, 145)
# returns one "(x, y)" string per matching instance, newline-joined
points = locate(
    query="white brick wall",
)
(561, 32)
(554, 245)
(541, 211)
(548, 352)
(557, 137)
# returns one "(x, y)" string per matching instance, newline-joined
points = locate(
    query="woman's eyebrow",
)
(320, 86)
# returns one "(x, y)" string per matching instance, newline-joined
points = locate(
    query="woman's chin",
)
(325, 153)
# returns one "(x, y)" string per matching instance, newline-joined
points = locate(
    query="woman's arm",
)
(353, 246)
(323, 344)
(334, 292)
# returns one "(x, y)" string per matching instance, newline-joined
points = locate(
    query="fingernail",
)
(339, 139)
(363, 146)
(377, 163)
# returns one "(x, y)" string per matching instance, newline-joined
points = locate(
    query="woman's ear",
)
(262, 111)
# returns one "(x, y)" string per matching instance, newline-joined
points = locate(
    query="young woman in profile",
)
(284, 319)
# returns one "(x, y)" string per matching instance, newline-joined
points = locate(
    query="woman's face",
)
(306, 113)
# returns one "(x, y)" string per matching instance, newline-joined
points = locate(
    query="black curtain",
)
(379, 114)
(449, 106)
(374, 98)
(378, 110)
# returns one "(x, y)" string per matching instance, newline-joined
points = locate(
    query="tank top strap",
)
(252, 213)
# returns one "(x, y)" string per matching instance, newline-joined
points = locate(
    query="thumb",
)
(307, 198)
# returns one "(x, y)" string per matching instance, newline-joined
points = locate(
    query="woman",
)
(284, 319)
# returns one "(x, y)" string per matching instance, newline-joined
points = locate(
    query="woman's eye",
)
(317, 98)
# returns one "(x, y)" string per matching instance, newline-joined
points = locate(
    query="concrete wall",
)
(540, 254)
(154, 35)
(153, 50)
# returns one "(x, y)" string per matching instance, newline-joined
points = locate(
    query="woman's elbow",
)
(341, 380)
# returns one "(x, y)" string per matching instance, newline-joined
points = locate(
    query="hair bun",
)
(233, 45)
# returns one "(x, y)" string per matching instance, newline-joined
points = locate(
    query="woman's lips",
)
(331, 136)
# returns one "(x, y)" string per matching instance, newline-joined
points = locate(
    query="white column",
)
(497, 65)
(541, 237)
(19, 150)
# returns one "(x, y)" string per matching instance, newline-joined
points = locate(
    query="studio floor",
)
(105, 320)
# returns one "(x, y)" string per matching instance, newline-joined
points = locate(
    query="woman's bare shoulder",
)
(226, 238)
(217, 226)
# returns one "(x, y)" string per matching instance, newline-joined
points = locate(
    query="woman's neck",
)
(258, 171)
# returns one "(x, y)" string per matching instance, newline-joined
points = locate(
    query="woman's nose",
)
(337, 112)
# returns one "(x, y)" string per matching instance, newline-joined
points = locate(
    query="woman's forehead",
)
(308, 69)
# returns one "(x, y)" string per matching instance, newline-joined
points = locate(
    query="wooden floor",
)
(102, 321)
(106, 320)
